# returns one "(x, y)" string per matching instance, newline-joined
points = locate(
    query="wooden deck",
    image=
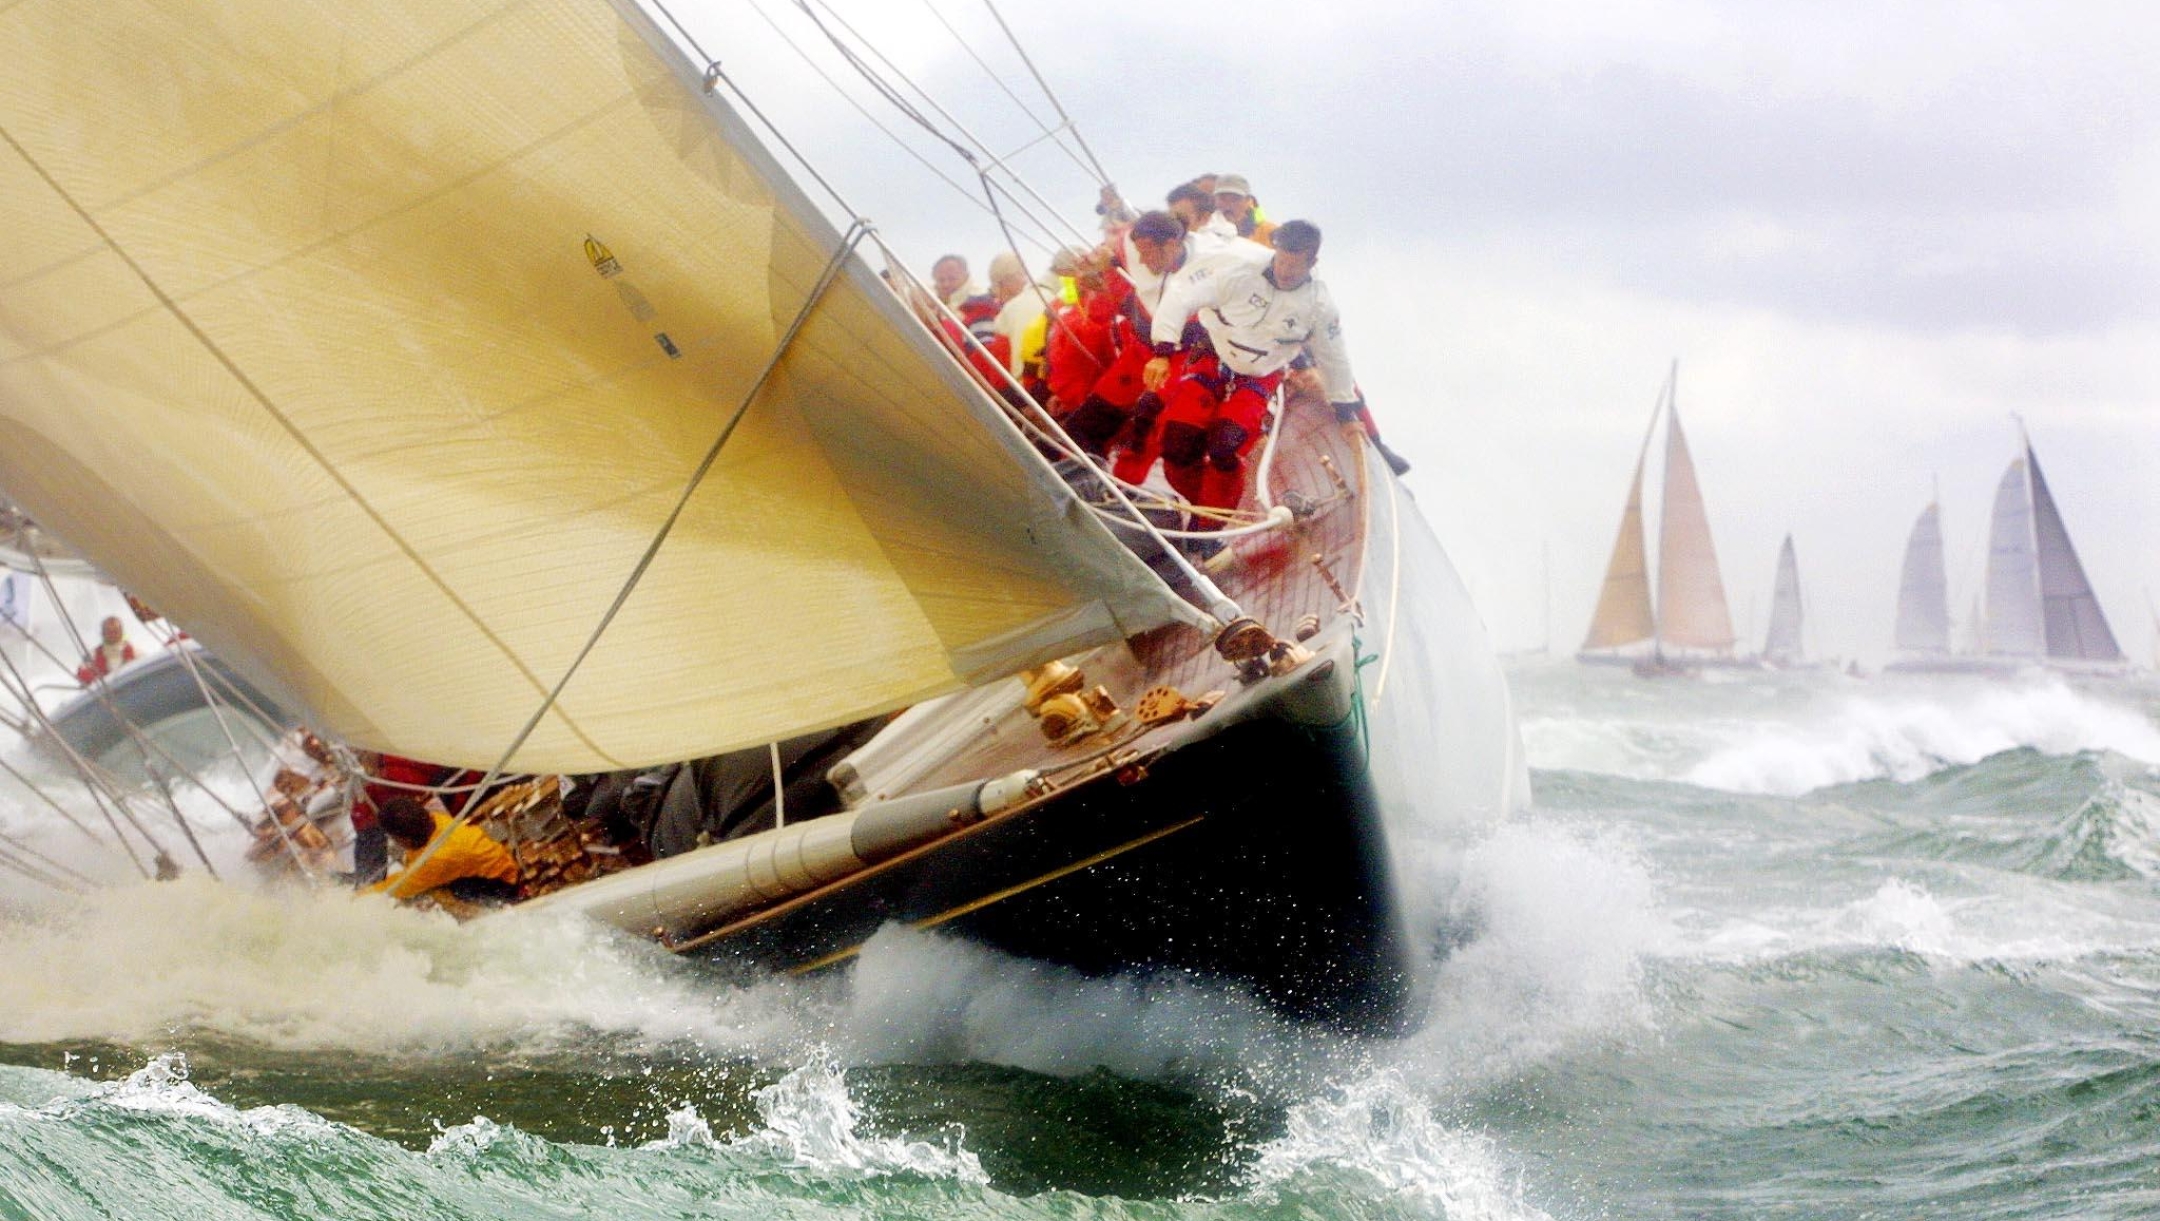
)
(1273, 578)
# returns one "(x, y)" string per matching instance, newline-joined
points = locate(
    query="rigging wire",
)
(854, 237)
(141, 741)
(1219, 605)
(19, 687)
(1102, 176)
(891, 93)
(39, 792)
(1049, 132)
(105, 697)
(1042, 239)
(35, 874)
(16, 844)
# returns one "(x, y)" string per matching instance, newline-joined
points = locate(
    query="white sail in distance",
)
(1923, 608)
(1782, 643)
(374, 342)
(2012, 616)
(1692, 613)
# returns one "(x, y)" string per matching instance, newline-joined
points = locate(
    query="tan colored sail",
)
(374, 341)
(1623, 615)
(1691, 596)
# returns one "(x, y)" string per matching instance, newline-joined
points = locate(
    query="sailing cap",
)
(1233, 184)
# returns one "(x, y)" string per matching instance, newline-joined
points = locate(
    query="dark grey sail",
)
(2077, 630)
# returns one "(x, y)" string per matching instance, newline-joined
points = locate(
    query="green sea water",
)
(1788, 946)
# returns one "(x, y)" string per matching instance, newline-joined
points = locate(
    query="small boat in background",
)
(1782, 647)
(1690, 624)
(2036, 609)
(1922, 636)
(2041, 609)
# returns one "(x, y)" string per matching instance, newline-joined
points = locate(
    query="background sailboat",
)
(2040, 606)
(1691, 622)
(1922, 635)
(1782, 645)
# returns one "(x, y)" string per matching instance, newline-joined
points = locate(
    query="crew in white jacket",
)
(1258, 315)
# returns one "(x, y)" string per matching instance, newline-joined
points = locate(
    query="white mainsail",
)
(375, 341)
(1923, 611)
(2011, 627)
(1692, 614)
(2076, 629)
(1782, 644)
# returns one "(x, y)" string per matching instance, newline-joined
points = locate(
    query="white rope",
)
(779, 790)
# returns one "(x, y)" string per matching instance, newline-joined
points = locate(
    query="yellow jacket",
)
(468, 853)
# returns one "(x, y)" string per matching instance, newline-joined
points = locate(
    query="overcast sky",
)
(1869, 234)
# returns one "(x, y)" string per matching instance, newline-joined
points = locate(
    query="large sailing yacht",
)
(2040, 608)
(483, 384)
(1689, 624)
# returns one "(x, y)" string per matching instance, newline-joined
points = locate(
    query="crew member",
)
(1155, 248)
(949, 278)
(1234, 202)
(1257, 317)
(1194, 206)
(465, 861)
(1080, 343)
(111, 652)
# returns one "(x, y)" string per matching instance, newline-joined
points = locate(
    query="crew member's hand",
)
(1303, 381)
(1155, 373)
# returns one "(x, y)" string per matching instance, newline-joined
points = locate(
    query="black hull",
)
(1255, 855)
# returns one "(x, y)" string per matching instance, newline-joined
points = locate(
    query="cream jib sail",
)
(387, 409)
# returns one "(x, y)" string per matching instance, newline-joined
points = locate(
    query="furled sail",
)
(1691, 596)
(1623, 615)
(1782, 645)
(1923, 607)
(375, 341)
(2076, 628)
(2012, 624)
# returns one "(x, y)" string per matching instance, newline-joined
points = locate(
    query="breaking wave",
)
(1792, 741)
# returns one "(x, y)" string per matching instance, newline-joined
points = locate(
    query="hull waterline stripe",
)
(996, 896)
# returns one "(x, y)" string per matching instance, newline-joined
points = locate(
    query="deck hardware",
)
(1342, 599)
(1341, 485)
